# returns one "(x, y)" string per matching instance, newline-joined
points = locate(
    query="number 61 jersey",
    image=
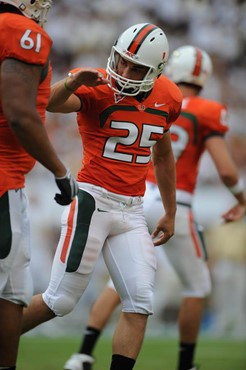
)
(118, 132)
(24, 40)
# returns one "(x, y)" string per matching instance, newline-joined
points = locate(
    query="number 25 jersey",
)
(118, 132)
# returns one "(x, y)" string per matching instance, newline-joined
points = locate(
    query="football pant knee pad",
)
(142, 302)
(62, 304)
(200, 290)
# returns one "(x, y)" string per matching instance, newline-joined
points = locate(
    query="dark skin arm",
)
(18, 89)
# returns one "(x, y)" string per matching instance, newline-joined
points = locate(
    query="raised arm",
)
(228, 173)
(62, 98)
(164, 165)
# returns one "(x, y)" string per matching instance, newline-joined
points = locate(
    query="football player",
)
(25, 75)
(120, 118)
(201, 126)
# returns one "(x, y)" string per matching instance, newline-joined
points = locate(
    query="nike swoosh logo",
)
(101, 210)
(159, 104)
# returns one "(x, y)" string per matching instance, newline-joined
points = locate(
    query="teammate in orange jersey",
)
(25, 76)
(201, 126)
(119, 119)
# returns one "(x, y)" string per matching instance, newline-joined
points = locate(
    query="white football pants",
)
(98, 220)
(186, 249)
(15, 275)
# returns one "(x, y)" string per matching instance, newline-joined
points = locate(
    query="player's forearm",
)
(58, 101)
(226, 167)
(231, 179)
(237, 190)
(240, 198)
(166, 179)
(33, 137)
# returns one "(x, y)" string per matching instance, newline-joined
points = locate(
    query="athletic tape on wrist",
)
(237, 188)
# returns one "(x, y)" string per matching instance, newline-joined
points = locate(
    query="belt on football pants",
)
(124, 199)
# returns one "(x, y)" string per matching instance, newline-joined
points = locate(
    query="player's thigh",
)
(131, 261)
(83, 233)
(186, 252)
(15, 278)
(19, 287)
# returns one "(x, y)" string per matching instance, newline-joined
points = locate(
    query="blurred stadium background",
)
(83, 32)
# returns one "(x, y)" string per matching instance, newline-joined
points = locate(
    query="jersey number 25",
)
(112, 151)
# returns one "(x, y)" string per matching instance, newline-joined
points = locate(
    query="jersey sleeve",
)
(214, 120)
(175, 103)
(23, 39)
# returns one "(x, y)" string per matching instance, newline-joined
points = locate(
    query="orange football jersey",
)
(22, 39)
(118, 132)
(199, 119)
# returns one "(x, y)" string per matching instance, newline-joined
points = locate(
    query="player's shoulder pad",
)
(23, 39)
(13, 22)
(211, 107)
(212, 104)
(169, 88)
(212, 112)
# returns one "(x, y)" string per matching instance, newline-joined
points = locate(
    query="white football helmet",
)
(144, 44)
(189, 64)
(34, 9)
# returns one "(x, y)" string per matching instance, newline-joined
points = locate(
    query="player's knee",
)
(22, 298)
(140, 303)
(198, 290)
(60, 305)
(28, 294)
(207, 289)
(21, 291)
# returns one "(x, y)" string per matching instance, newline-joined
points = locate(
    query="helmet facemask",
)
(126, 86)
(43, 6)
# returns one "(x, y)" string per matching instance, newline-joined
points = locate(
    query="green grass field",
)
(42, 353)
